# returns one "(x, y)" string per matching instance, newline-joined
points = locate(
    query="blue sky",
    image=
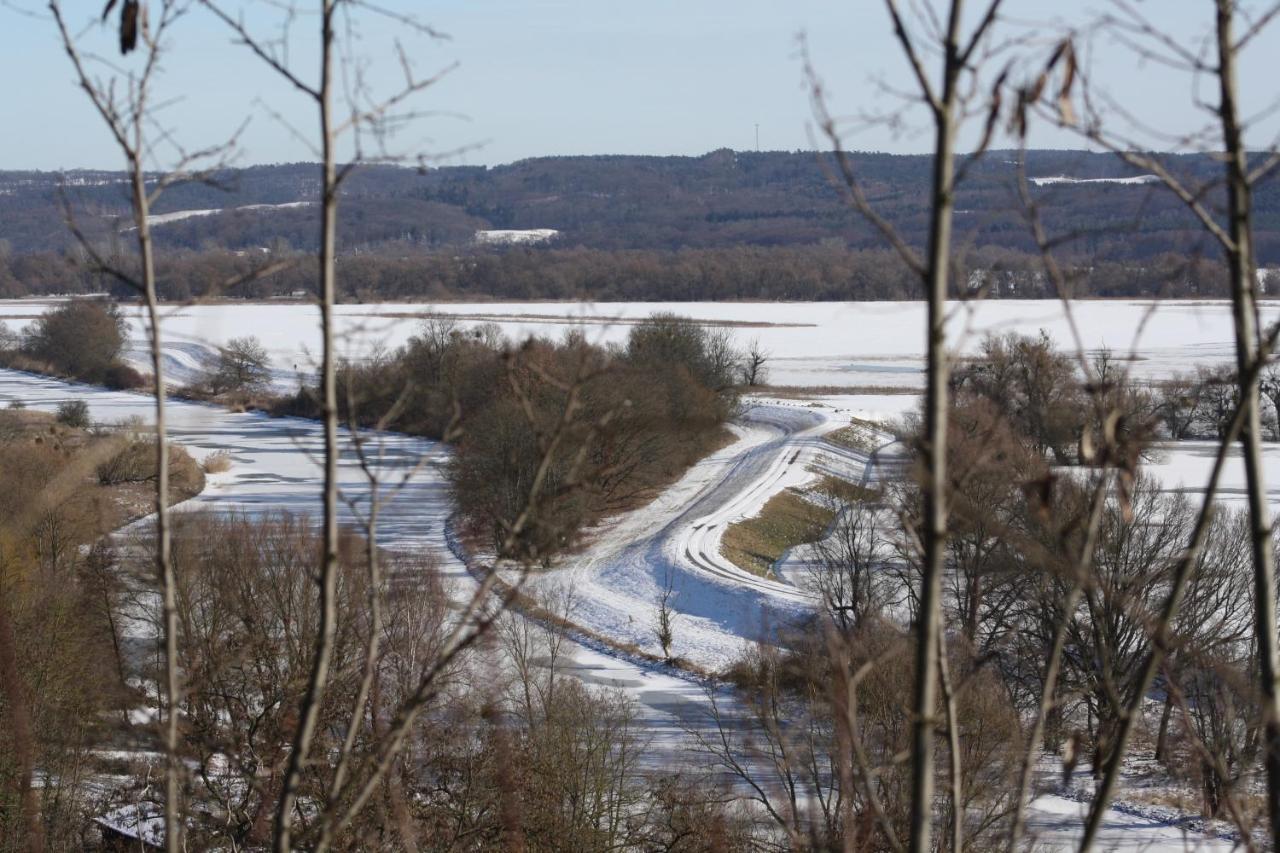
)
(545, 77)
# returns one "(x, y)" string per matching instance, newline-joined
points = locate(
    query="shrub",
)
(217, 463)
(676, 342)
(122, 377)
(241, 366)
(135, 462)
(74, 413)
(81, 338)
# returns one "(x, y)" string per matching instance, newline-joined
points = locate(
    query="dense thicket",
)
(80, 339)
(63, 694)
(1043, 561)
(511, 751)
(587, 430)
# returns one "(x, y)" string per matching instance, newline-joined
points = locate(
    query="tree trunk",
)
(1244, 310)
(1052, 740)
(934, 534)
(319, 676)
(164, 558)
(1211, 788)
(1162, 737)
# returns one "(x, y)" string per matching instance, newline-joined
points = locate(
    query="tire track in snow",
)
(620, 578)
(705, 539)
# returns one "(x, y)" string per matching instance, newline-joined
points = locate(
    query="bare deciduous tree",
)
(849, 562)
(365, 114)
(664, 616)
(958, 45)
(240, 365)
(754, 361)
(126, 105)
(1232, 230)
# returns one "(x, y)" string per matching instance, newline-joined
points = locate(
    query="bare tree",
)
(1178, 406)
(846, 571)
(1269, 387)
(364, 115)
(126, 107)
(240, 365)
(1232, 230)
(945, 97)
(754, 360)
(664, 617)
(1217, 398)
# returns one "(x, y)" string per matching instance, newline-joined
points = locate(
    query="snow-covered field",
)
(840, 344)
(1063, 179)
(512, 236)
(179, 215)
(1185, 467)
(1053, 824)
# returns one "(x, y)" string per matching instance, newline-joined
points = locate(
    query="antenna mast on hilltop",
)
(757, 137)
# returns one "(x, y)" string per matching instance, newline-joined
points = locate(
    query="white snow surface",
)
(831, 344)
(516, 236)
(1055, 823)
(179, 215)
(1185, 466)
(1063, 179)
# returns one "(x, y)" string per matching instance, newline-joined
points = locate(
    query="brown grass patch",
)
(217, 463)
(787, 520)
(844, 492)
(802, 392)
(858, 435)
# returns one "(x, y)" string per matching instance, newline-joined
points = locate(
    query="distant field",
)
(833, 345)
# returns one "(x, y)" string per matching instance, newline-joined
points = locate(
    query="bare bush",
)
(217, 463)
(850, 565)
(240, 366)
(74, 413)
(81, 338)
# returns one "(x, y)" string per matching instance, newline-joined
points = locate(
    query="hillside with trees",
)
(726, 225)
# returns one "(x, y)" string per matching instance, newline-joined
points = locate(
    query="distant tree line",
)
(801, 273)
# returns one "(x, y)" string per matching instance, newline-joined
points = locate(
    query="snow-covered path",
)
(675, 540)
(1054, 823)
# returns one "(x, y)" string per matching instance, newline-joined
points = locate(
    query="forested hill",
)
(627, 214)
(722, 199)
